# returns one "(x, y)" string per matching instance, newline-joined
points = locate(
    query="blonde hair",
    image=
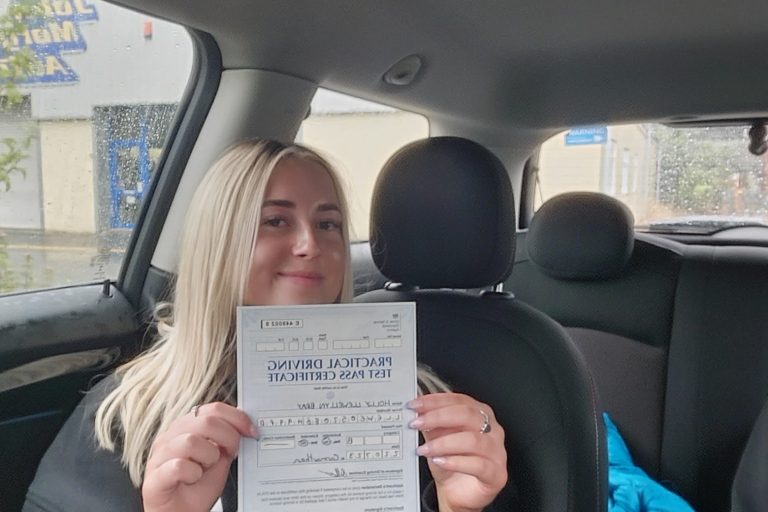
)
(193, 360)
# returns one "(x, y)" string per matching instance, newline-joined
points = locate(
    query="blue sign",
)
(586, 135)
(55, 32)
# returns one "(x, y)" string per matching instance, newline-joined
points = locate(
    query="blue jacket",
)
(630, 489)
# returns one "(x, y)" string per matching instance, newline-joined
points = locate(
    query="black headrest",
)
(443, 216)
(581, 235)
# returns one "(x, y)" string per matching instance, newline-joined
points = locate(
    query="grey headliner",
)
(507, 67)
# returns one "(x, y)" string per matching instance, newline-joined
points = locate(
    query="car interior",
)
(553, 310)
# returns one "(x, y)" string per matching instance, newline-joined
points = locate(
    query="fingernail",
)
(423, 449)
(414, 404)
(438, 460)
(416, 424)
(254, 432)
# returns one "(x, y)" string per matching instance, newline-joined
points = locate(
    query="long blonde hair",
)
(193, 360)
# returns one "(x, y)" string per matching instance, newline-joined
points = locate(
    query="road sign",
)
(586, 135)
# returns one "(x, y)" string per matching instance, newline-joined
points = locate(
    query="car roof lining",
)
(515, 69)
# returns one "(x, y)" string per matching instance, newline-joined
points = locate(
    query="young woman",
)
(268, 226)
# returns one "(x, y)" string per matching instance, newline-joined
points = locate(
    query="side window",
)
(88, 91)
(358, 137)
(686, 179)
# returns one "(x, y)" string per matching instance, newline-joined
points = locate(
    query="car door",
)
(115, 105)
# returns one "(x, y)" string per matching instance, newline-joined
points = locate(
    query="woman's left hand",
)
(466, 455)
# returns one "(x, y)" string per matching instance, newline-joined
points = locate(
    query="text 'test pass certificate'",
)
(327, 386)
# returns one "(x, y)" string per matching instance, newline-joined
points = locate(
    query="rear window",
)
(358, 137)
(683, 180)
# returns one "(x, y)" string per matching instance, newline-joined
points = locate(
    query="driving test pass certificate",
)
(327, 387)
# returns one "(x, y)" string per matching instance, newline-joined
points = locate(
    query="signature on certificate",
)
(310, 458)
(335, 473)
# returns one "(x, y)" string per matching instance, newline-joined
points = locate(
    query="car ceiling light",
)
(403, 72)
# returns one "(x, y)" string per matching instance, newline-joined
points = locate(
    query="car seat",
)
(443, 221)
(614, 292)
(750, 487)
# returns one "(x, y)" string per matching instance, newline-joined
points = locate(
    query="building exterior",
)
(97, 109)
(619, 161)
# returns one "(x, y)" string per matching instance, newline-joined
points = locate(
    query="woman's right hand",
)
(189, 463)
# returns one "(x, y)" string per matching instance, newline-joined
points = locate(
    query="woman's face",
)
(300, 250)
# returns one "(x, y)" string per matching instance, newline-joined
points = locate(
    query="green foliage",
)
(8, 278)
(16, 64)
(25, 277)
(702, 170)
(10, 159)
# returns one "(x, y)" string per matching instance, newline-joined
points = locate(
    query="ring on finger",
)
(486, 427)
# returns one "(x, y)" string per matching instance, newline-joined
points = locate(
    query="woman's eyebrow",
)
(279, 202)
(285, 203)
(328, 207)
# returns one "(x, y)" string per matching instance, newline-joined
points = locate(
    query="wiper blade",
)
(702, 225)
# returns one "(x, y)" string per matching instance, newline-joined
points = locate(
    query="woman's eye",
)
(274, 222)
(329, 225)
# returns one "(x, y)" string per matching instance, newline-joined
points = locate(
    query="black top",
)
(76, 475)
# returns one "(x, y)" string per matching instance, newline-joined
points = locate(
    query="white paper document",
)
(327, 387)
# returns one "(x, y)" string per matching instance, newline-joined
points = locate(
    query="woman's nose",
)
(306, 244)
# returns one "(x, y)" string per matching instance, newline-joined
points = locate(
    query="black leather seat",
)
(442, 219)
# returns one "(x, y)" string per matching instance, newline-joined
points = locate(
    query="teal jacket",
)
(630, 489)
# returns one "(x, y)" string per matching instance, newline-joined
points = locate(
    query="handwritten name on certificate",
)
(327, 386)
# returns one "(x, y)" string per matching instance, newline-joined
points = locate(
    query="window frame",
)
(185, 129)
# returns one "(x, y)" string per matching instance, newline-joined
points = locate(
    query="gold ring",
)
(486, 423)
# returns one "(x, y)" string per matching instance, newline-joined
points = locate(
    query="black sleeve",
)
(75, 474)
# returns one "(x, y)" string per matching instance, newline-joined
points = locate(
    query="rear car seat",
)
(718, 369)
(675, 335)
(581, 263)
(750, 486)
(366, 275)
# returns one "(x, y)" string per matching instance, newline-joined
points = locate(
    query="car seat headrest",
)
(443, 216)
(581, 236)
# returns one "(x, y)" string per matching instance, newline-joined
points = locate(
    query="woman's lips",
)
(302, 277)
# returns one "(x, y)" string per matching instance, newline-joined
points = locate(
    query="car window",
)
(88, 92)
(358, 137)
(692, 180)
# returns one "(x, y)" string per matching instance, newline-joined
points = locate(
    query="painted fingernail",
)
(416, 424)
(423, 449)
(414, 404)
(438, 460)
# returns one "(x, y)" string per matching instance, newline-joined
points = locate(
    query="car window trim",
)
(193, 109)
